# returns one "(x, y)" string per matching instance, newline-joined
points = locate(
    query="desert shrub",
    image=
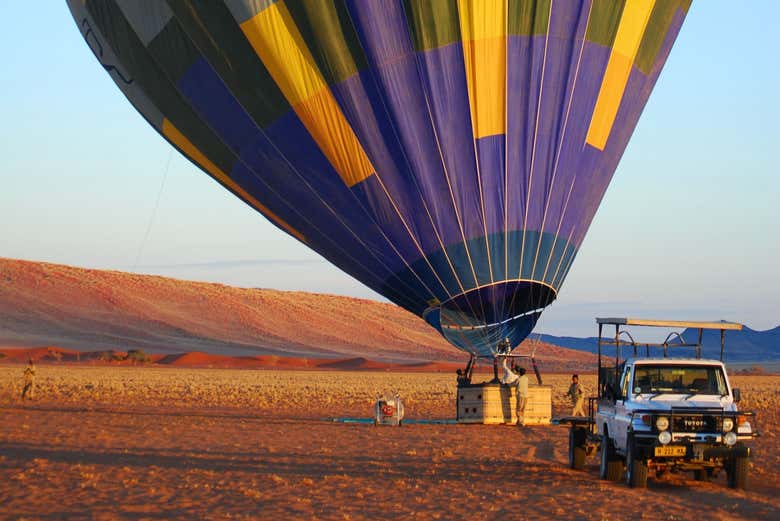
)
(109, 356)
(754, 370)
(137, 355)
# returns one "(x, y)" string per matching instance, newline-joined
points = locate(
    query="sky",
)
(688, 228)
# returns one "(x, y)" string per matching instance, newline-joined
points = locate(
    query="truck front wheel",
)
(611, 466)
(636, 467)
(737, 472)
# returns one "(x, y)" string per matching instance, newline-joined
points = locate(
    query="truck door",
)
(619, 429)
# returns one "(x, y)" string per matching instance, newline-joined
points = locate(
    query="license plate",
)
(670, 450)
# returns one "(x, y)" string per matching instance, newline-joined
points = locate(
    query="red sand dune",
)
(199, 359)
(194, 359)
(104, 311)
(353, 364)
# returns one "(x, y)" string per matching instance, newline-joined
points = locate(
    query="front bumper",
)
(700, 448)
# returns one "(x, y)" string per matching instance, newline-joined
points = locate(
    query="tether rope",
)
(154, 211)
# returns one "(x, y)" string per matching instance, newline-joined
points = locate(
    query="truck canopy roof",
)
(672, 361)
(718, 324)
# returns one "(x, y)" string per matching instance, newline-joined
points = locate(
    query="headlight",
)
(728, 424)
(662, 423)
(665, 437)
(730, 438)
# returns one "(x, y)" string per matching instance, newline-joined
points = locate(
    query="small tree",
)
(137, 355)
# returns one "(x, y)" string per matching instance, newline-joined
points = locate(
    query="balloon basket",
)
(496, 404)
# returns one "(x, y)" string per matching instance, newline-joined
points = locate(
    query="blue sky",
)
(688, 228)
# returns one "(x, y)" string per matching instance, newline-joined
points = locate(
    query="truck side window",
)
(624, 389)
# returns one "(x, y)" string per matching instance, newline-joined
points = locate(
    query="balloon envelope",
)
(450, 154)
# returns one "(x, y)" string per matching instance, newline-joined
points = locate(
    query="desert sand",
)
(166, 442)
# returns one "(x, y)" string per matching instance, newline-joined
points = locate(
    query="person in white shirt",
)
(522, 395)
(516, 377)
(509, 377)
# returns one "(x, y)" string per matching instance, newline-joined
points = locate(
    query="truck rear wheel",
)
(737, 472)
(577, 452)
(636, 467)
(611, 466)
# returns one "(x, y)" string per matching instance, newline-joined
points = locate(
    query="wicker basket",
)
(492, 403)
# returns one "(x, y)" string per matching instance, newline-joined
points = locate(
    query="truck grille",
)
(695, 423)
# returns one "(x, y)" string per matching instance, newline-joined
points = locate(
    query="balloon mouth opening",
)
(495, 304)
(494, 324)
(478, 319)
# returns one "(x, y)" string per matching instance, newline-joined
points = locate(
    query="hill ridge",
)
(44, 304)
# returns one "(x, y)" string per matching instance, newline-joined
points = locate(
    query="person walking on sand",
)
(577, 396)
(522, 395)
(29, 381)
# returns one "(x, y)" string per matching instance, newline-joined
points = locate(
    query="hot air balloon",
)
(449, 154)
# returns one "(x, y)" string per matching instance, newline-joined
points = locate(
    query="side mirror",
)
(735, 393)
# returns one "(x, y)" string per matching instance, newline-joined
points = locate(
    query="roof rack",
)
(720, 325)
(608, 375)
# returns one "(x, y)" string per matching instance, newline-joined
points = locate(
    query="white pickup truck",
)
(664, 415)
(674, 415)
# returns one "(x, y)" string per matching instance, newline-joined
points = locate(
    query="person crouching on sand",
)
(29, 381)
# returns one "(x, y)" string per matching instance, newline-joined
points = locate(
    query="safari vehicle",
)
(663, 414)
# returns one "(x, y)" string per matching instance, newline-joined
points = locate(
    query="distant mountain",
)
(743, 346)
(588, 344)
(747, 345)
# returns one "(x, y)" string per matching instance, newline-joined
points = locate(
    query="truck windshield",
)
(679, 379)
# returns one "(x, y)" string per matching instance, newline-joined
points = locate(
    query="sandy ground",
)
(162, 443)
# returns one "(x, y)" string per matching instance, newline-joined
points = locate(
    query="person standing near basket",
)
(522, 395)
(577, 396)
